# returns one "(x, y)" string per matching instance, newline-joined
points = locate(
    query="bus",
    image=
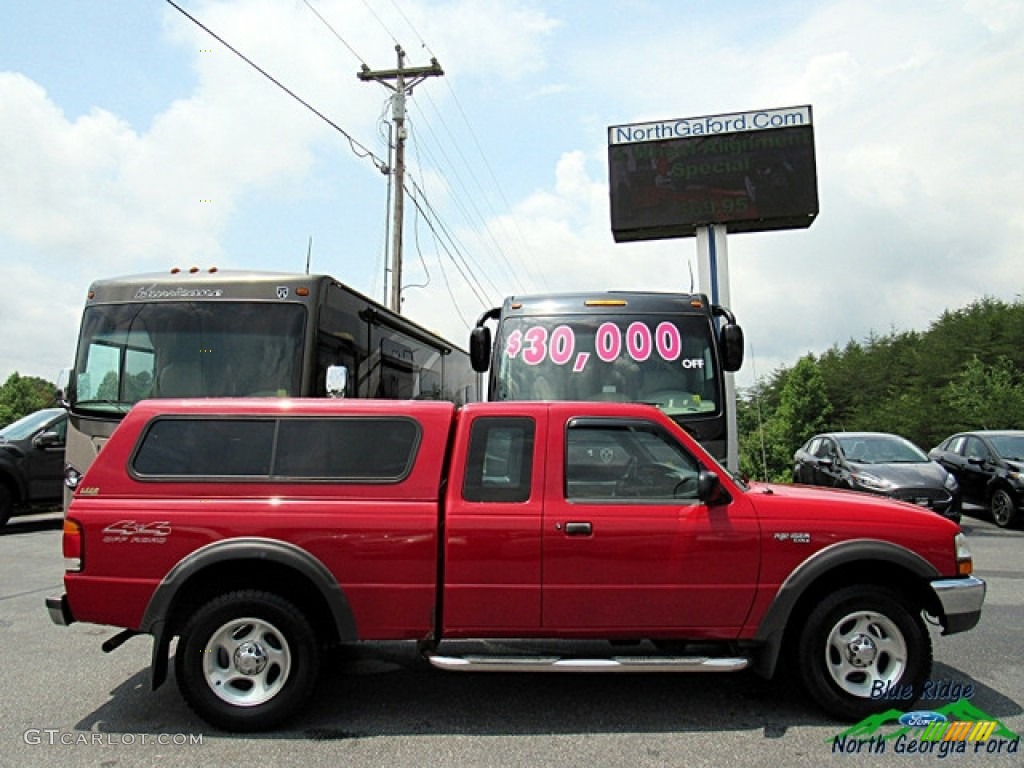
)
(212, 333)
(668, 349)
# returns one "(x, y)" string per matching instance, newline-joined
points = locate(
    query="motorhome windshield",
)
(128, 352)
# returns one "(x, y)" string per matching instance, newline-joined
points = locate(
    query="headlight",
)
(871, 482)
(71, 477)
(950, 483)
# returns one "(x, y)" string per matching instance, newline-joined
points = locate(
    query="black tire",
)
(859, 649)
(1004, 511)
(6, 505)
(247, 660)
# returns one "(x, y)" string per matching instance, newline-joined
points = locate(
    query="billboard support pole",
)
(713, 280)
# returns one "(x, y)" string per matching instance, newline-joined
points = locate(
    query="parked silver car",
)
(879, 463)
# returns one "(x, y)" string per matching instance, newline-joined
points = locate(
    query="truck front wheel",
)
(863, 651)
(247, 660)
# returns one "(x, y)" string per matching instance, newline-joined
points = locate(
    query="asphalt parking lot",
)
(65, 702)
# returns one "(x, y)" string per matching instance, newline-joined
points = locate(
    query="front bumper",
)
(60, 610)
(961, 601)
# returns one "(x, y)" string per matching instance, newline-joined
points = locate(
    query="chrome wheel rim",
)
(247, 662)
(1002, 508)
(864, 652)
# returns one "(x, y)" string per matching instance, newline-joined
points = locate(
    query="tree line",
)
(22, 395)
(963, 373)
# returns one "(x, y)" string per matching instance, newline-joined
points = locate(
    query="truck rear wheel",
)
(247, 660)
(863, 651)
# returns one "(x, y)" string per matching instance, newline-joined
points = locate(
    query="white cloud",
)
(915, 107)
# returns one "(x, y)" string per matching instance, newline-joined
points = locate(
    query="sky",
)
(131, 140)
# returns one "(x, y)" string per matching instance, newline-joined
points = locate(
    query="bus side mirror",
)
(63, 387)
(731, 344)
(337, 381)
(480, 348)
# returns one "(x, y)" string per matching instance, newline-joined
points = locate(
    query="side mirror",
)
(337, 381)
(709, 488)
(828, 461)
(480, 348)
(730, 340)
(47, 440)
(63, 387)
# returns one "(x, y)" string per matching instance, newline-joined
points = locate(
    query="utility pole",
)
(406, 78)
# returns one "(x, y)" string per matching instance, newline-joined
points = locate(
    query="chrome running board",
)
(611, 664)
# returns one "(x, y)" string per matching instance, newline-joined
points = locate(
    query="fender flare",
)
(154, 620)
(772, 629)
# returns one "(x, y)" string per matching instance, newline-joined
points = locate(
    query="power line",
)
(357, 148)
(525, 259)
(466, 213)
(335, 33)
(381, 22)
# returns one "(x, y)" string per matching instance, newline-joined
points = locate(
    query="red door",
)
(628, 548)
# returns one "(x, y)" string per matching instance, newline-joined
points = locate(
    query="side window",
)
(219, 447)
(631, 461)
(500, 463)
(354, 450)
(975, 449)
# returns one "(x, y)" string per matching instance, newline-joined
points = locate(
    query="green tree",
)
(987, 396)
(803, 409)
(21, 395)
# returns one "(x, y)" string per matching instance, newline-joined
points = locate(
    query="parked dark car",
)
(879, 463)
(989, 465)
(32, 463)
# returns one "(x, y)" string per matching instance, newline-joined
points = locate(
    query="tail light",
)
(72, 545)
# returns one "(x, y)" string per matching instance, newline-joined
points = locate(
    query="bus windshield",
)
(621, 357)
(128, 352)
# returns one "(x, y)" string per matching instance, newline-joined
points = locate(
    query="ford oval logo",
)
(921, 718)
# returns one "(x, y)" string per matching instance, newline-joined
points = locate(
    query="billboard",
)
(751, 171)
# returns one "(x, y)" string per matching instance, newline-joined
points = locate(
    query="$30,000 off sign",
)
(536, 344)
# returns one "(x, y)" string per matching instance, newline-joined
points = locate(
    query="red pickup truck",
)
(261, 533)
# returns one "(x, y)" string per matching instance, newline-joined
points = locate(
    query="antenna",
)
(309, 253)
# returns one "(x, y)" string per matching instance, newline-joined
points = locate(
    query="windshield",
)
(27, 426)
(881, 449)
(128, 352)
(1009, 446)
(665, 362)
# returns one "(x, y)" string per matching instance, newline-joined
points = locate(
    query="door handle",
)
(578, 529)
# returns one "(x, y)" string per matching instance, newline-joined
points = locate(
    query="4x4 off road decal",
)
(132, 532)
